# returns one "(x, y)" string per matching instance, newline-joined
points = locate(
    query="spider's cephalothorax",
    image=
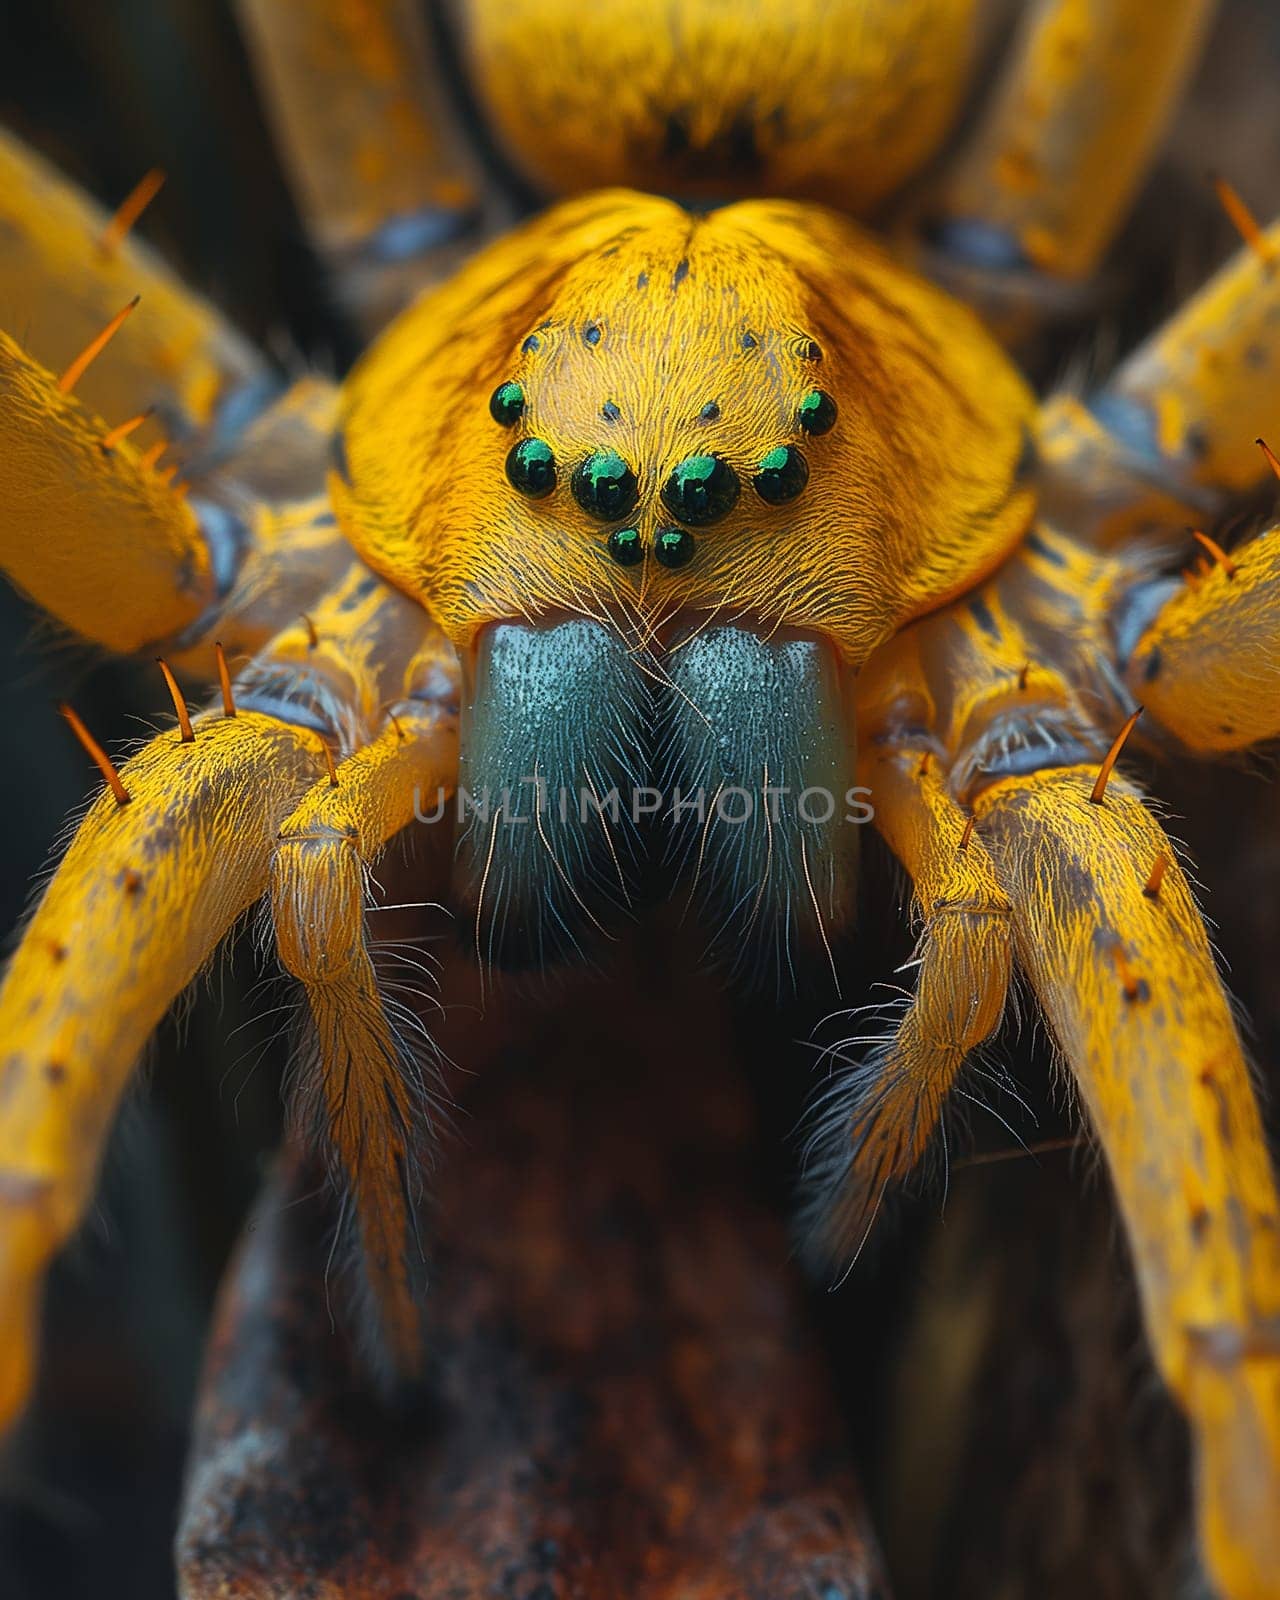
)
(642, 502)
(742, 450)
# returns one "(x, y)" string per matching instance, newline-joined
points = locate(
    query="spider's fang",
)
(1111, 757)
(97, 755)
(130, 209)
(179, 704)
(95, 347)
(332, 770)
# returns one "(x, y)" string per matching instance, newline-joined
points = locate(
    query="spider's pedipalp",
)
(874, 1127)
(1128, 984)
(138, 904)
(383, 184)
(1045, 181)
(362, 1091)
(1207, 665)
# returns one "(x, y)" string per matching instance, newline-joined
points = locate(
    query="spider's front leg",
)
(184, 840)
(1106, 928)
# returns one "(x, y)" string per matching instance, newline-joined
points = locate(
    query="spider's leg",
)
(89, 530)
(1012, 683)
(874, 1123)
(365, 134)
(139, 902)
(64, 275)
(156, 874)
(1170, 438)
(123, 556)
(1126, 977)
(363, 1093)
(1035, 196)
(1207, 664)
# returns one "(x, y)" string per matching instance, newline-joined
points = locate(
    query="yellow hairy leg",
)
(360, 119)
(91, 531)
(876, 1128)
(1056, 158)
(1106, 929)
(1171, 437)
(142, 897)
(1208, 665)
(860, 92)
(62, 275)
(913, 490)
(370, 1104)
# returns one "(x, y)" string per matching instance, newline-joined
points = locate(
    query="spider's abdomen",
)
(625, 409)
(835, 100)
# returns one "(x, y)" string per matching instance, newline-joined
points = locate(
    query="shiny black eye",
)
(625, 547)
(674, 547)
(506, 404)
(817, 412)
(605, 486)
(782, 475)
(531, 467)
(702, 489)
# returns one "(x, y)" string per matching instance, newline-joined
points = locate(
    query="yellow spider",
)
(645, 501)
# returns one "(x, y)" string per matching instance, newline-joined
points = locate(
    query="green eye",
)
(817, 412)
(674, 547)
(782, 475)
(506, 404)
(625, 547)
(605, 486)
(531, 468)
(702, 489)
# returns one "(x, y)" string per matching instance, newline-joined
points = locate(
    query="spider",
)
(646, 506)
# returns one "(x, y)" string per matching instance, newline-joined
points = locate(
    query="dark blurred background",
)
(87, 1499)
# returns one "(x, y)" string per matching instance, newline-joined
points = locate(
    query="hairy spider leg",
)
(1207, 667)
(1020, 688)
(1170, 438)
(1128, 983)
(120, 554)
(160, 869)
(139, 902)
(357, 109)
(92, 532)
(363, 1088)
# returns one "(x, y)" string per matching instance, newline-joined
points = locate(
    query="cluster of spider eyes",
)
(699, 491)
